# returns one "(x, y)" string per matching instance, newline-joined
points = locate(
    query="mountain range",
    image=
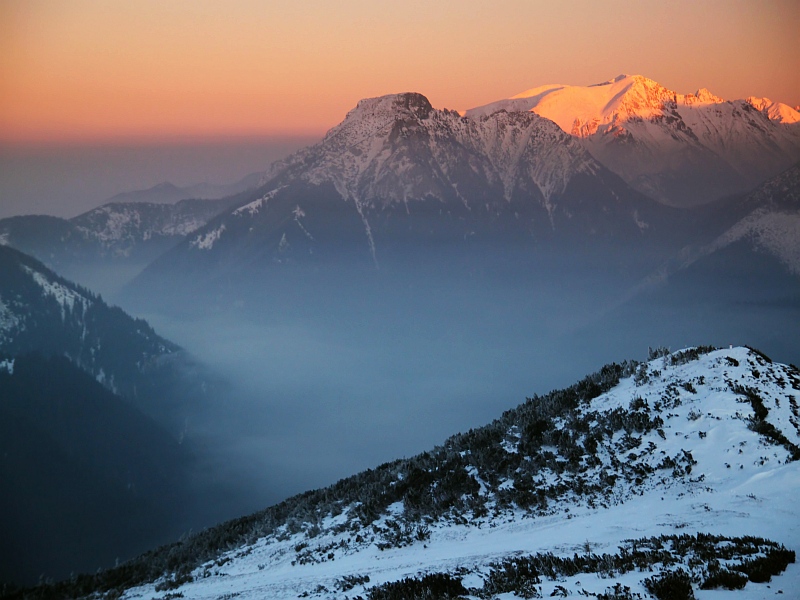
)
(399, 184)
(44, 313)
(116, 230)
(682, 149)
(397, 177)
(40, 311)
(766, 220)
(106, 246)
(132, 226)
(570, 165)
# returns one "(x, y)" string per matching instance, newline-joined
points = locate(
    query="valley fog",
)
(323, 381)
(323, 389)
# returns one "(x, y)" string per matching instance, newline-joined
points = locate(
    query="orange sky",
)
(111, 70)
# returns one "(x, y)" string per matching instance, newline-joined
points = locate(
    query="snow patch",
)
(205, 241)
(65, 297)
(9, 322)
(255, 206)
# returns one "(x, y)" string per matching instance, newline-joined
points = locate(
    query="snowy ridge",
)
(649, 134)
(582, 111)
(253, 207)
(205, 241)
(776, 111)
(782, 192)
(516, 146)
(120, 227)
(768, 219)
(115, 234)
(42, 312)
(689, 442)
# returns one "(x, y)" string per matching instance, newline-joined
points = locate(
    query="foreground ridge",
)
(678, 457)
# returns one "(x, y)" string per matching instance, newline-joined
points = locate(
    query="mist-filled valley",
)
(297, 377)
(326, 374)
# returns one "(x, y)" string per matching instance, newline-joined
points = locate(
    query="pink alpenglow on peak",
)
(702, 96)
(681, 149)
(581, 110)
(776, 111)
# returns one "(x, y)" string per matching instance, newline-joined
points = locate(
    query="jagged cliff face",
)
(680, 149)
(398, 148)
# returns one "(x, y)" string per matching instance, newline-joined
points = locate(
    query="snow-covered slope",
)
(42, 312)
(114, 232)
(766, 221)
(772, 223)
(682, 149)
(695, 442)
(120, 228)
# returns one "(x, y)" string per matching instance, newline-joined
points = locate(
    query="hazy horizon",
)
(67, 180)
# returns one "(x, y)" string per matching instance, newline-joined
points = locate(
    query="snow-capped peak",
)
(398, 154)
(582, 110)
(374, 115)
(776, 111)
(702, 96)
(397, 148)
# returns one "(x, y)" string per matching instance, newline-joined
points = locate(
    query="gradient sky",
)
(102, 70)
